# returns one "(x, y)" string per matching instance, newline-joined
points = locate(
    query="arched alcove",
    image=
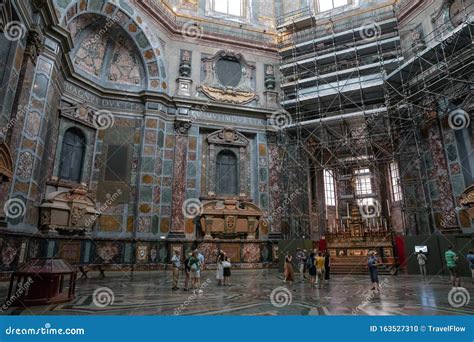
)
(73, 14)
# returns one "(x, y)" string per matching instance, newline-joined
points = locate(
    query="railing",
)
(338, 25)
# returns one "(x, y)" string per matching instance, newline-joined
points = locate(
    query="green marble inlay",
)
(458, 184)
(452, 153)
(167, 168)
(433, 187)
(63, 3)
(428, 160)
(155, 226)
(126, 7)
(148, 164)
(96, 5)
(141, 40)
(127, 255)
(191, 170)
(166, 196)
(146, 194)
(263, 175)
(161, 138)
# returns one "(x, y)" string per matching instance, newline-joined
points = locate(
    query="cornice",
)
(176, 30)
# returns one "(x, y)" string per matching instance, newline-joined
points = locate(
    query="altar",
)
(350, 242)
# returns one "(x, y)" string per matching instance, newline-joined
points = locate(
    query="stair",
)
(355, 265)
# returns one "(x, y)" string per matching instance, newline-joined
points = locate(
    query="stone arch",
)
(120, 12)
(6, 163)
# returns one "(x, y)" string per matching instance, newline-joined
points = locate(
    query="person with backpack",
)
(422, 259)
(195, 266)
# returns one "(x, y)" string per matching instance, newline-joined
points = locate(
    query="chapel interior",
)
(133, 129)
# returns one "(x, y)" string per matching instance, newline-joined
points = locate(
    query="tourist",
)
(327, 266)
(320, 269)
(187, 272)
(288, 274)
(372, 264)
(452, 263)
(220, 268)
(470, 258)
(422, 259)
(175, 260)
(226, 266)
(300, 258)
(195, 266)
(201, 259)
(310, 264)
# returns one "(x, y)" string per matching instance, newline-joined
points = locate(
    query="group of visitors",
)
(192, 267)
(194, 264)
(223, 269)
(452, 263)
(451, 259)
(317, 264)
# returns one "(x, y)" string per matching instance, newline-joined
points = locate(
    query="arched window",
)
(227, 173)
(72, 155)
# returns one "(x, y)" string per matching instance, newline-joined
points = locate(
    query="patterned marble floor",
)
(254, 292)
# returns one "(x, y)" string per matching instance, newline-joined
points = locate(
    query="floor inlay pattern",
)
(149, 293)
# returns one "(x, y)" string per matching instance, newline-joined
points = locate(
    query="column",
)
(182, 127)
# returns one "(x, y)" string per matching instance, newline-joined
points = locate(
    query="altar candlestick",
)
(388, 209)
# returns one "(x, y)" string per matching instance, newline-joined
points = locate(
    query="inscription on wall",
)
(99, 102)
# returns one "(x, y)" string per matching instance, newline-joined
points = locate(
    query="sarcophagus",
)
(229, 219)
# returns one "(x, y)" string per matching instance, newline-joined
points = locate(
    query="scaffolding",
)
(355, 103)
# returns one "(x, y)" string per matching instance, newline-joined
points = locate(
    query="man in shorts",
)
(452, 263)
